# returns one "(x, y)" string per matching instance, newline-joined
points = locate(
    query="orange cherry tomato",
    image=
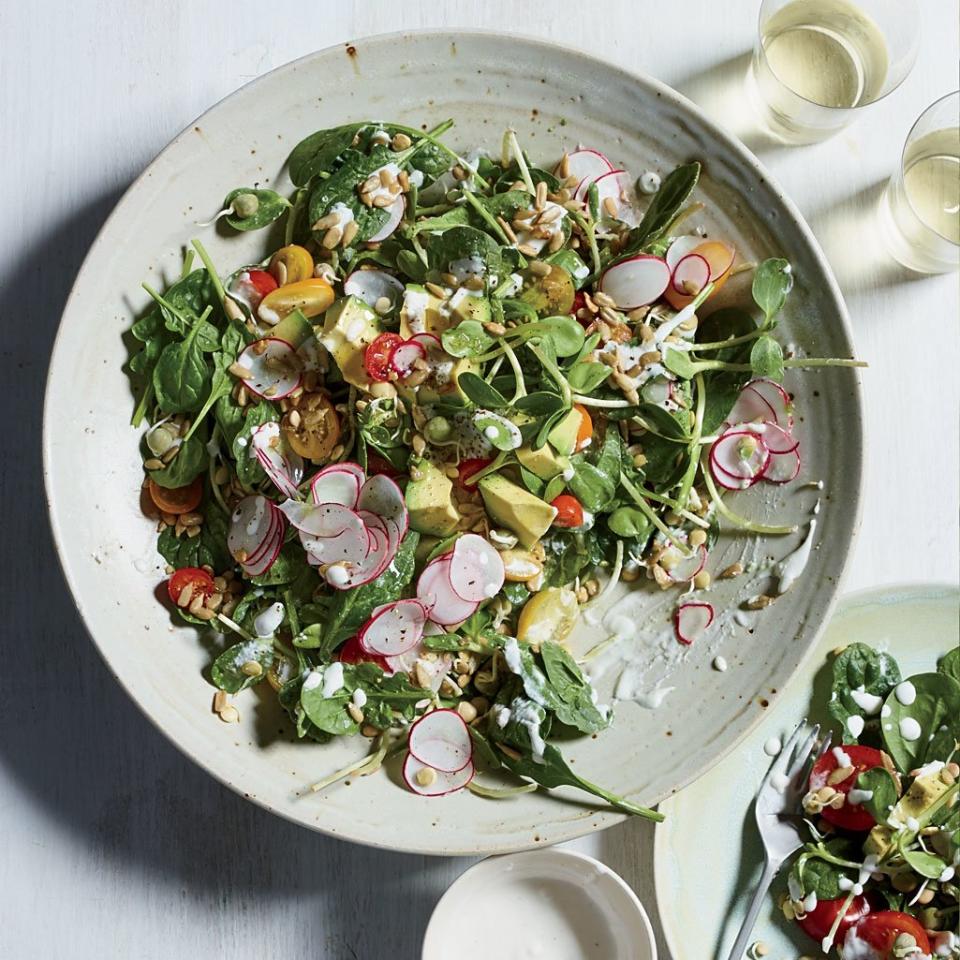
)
(720, 256)
(177, 500)
(569, 511)
(585, 430)
(200, 582)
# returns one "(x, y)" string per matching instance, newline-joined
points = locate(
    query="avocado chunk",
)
(428, 500)
(445, 381)
(349, 327)
(922, 794)
(295, 328)
(543, 462)
(421, 312)
(465, 306)
(550, 295)
(563, 437)
(527, 516)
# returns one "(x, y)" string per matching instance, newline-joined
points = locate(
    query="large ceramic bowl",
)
(554, 98)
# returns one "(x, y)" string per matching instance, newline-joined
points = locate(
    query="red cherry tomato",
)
(377, 464)
(376, 358)
(262, 281)
(819, 921)
(849, 816)
(880, 931)
(352, 652)
(579, 302)
(468, 468)
(199, 580)
(569, 511)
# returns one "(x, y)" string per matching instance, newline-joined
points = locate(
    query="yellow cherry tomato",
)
(291, 264)
(312, 427)
(311, 297)
(548, 615)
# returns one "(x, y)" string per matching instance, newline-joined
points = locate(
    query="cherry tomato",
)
(376, 358)
(377, 464)
(177, 500)
(579, 302)
(468, 468)
(849, 816)
(317, 431)
(819, 921)
(585, 430)
(880, 930)
(262, 282)
(297, 264)
(569, 511)
(199, 580)
(352, 652)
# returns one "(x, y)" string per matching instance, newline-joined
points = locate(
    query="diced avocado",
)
(923, 793)
(551, 294)
(879, 841)
(432, 391)
(511, 506)
(563, 437)
(428, 500)
(465, 306)
(421, 312)
(571, 262)
(295, 328)
(348, 328)
(543, 462)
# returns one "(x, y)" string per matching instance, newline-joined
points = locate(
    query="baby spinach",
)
(936, 713)
(574, 697)
(950, 664)
(594, 484)
(251, 209)
(318, 152)
(815, 871)
(859, 667)
(233, 341)
(181, 377)
(191, 460)
(881, 784)
(249, 471)
(462, 242)
(208, 548)
(227, 672)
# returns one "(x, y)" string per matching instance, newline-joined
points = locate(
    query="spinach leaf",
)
(815, 875)
(249, 471)
(181, 377)
(289, 698)
(630, 522)
(884, 789)
(950, 664)
(208, 548)
(252, 209)
(575, 706)
(860, 669)
(318, 152)
(189, 463)
(459, 243)
(929, 727)
(291, 564)
(227, 672)
(766, 359)
(721, 392)
(595, 484)
(221, 382)
(772, 281)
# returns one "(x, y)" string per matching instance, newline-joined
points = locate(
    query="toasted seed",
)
(369, 730)
(426, 776)
(702, 580)
(404, 180)
(252, 668)
(825, 794)
(436, 290)
(540, 197)
(760, 602)
(324, 223)
(507, 229)
(170, 454)
(495, 329)
(508, 751)
(734, 570)
(540, 268)
(400, 141)
(467, 711)
(153, 464)
(610, 207)
(563, 168)
(356, 714)
(383, 305)
(219, 700)
(839, 775)
(604, 300)
(332, 237)
(185, 596)
(230, 714)
(349, 233)
(527, 250)
(232, 309)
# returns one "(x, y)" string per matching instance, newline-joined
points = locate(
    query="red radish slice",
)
(682, 567)
(339, 483)
(440, 739)
(371, 285)
(284, 468)
(395, 210)
(275, 372)
(393, 628)
(347, 574)
(277, 524)
(586, 164)
(691, 275)
(476, 569)
(611, 188)
(403, 357)
(635, 282)
(435, 590)
(320, 519)
(260, 566)
(692, 620)
(680, 248)
(429, 341)
(778, 399)
(750, 407)
(251, 525)
(440, 785)
(738, 459)
(783, 467)
(387, 527)
(777, 439)
(380, 495)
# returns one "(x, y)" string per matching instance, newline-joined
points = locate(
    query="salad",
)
(453, 406)
(878, 878)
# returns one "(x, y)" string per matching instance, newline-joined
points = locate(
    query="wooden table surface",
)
(114, 845)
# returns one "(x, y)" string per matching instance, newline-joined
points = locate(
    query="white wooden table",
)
(114, 845)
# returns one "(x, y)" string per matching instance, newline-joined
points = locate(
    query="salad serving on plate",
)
(455, 403)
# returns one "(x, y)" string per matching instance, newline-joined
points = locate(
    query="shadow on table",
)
(75, 743)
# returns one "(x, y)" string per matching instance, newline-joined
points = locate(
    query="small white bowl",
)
(541, 905)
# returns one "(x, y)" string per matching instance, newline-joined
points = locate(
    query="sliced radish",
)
(404, 355)
(778, 399)
(258, 567)
(330, 532)
(783, 467)
(777, 439)
(657, 390)
(613, 185)
(370, 286)
(750, 407)
(691, 275)
(436, 591)
(441, 739)
(441, 784)
(380, 495)
(284, 468)
(339, 483)
(275, 369)
(683, 566)
(251, 525)
(429, 341)
(393, 628)
(680, 248)
(738, 459)
(635, 282)
(476, 569)
(587, 164)
(692, 620)
(611, 188)
(347, 574)
(395, 210)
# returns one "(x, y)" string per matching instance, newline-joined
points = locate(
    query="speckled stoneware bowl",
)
(554, 98)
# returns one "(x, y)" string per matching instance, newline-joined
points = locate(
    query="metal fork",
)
(775, 809)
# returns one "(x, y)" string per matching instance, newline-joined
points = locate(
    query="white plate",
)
(555, 98)
(707, 852)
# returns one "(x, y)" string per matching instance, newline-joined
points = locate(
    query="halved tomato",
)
(819, 921)
(199, 581)
(849, 816)
(880, 931)
(352, 652)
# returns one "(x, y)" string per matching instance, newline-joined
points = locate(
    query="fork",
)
(775, 809)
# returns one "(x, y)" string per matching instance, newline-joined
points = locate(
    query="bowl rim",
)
(574, 828)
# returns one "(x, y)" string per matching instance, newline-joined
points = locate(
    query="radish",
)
(430, 343)
(380, 495)
(370, 286)
(339, 483)
(691, 274)
(396, 210)
(476, 569)
(251, 525)
(751, 406)
(586, 164)
(435, 590)
(441, 784)
(393, 628)
(611, 188)
(404, 355)
(658, 390)
(738, 459)
(386, 526)
(691, 621)
(680, 248)
(440, 739)
(635, 282)
(783, 467)
(682, 567)
(274, 366)
(777, 398)
(285, 469)
(258, 567)
(330, 532)
(777, 439)
(346, 574)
